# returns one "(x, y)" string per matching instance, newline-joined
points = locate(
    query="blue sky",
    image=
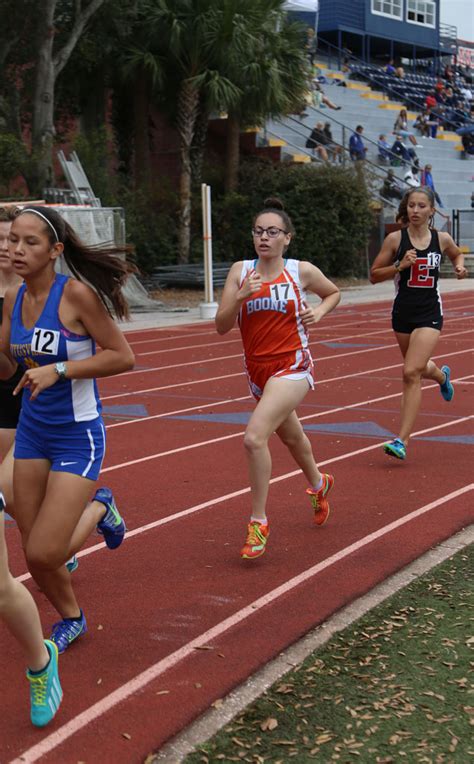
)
(460, 13)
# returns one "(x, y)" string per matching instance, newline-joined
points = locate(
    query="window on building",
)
(421, 12)
(392, 8)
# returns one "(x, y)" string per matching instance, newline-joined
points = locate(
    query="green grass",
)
(394, 687)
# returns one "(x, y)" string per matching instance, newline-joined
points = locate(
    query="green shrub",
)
(329, 207)
(13, 159)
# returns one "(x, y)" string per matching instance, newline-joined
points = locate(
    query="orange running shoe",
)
(256, 541)
(319, 500)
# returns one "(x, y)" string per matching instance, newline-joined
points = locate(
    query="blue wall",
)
(356, 15)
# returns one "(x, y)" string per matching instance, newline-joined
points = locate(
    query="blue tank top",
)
(70, 400)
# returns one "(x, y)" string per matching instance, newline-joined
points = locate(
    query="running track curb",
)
(214, 719)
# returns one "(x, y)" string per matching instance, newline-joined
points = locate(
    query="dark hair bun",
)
(272, 203)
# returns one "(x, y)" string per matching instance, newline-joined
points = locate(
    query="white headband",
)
(40, 214)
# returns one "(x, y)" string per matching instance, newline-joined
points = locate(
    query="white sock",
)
(319, 486)
(259, 520)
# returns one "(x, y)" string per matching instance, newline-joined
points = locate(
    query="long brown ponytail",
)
(101, 265)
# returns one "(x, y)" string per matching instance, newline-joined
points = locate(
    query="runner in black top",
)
(413, 257)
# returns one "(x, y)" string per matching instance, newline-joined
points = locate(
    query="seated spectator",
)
(357, 149)
(400, 72)
(427, 124)
(421, 123)
(468, 143)
(401, 127)
(316, 142)
(333, 149)
(385, 154)
(439, 85)
(448, 73)
(390, 68)
(430, 101)
(412, 177)
(319, 98)
(401, 152)
(391, 188)
(466, 93)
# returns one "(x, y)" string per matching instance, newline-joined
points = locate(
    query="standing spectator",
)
(390, 68)
(311, 45)
(357, 149)
(427, 180)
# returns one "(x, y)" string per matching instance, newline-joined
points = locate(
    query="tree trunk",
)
(41, 170)
(141, 132)
(232, 157)
(47, 70)
(188, 105)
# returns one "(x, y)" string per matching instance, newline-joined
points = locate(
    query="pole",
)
(207, 308)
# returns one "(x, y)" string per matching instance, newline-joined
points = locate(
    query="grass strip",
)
(393, 687)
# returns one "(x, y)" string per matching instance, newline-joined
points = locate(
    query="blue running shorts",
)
(78, 447)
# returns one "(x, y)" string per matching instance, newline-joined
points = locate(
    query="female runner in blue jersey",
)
(413, 256)
(50, 326)
(17, 607)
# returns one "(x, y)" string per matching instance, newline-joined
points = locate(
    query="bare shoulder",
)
(10, 297)
(79, 293)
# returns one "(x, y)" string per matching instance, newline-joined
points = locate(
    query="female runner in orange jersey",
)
(267, 295)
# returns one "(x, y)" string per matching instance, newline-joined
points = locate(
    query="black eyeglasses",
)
(272, 232)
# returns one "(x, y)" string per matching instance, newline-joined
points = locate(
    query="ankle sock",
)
(259, 520)
(41, 671)
(319, 486)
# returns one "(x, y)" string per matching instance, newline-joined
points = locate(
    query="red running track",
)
(176, 619)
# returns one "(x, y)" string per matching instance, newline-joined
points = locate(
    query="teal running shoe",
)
(112, 527)
(72, 564)
(447, 390)
(66, 631)
(396, 448)
(45, 689)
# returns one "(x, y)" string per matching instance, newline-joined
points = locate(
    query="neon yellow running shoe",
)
(254, 546)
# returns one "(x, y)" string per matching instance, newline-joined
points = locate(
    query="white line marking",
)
(140, 681)
(241, 374)
(242, 491)
(215, 359)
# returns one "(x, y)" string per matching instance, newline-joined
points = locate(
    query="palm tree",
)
(183, 36)
(270, 70)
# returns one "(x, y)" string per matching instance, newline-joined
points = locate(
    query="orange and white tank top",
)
(270, 320)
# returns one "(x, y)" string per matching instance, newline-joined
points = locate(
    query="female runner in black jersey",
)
(413, 256)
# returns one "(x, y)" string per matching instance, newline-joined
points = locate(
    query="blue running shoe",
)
(67, 630)
(72, 564)
(112, 527)
(396, 448)
(45, 689)
(447, 390)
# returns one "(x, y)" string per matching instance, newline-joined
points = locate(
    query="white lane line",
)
(317, 383)
(215, 359)
(59, 736)
(242, 491)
